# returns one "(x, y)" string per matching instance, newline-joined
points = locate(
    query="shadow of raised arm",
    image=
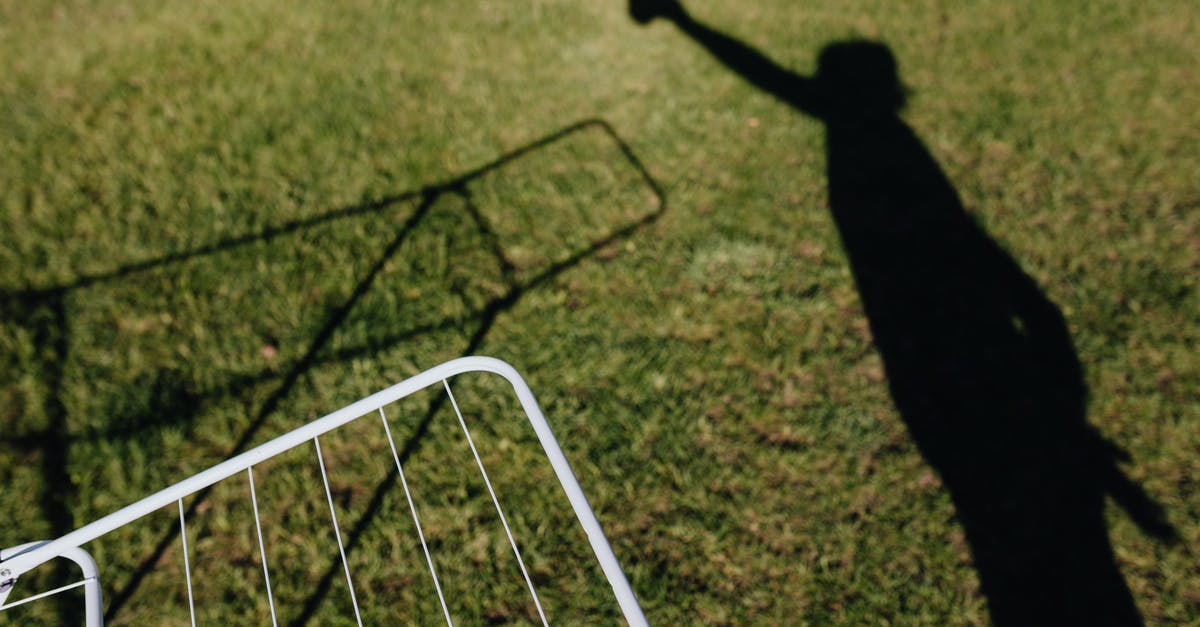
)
(760, 70)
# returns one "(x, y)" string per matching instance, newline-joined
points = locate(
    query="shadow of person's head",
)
(860, 77)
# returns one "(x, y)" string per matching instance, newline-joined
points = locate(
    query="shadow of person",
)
(979, 362)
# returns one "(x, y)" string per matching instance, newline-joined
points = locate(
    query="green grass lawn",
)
(220, 220)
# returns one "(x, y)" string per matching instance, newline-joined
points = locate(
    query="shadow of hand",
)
(1131, 497)
(645, 11)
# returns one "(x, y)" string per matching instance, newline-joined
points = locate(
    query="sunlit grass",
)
(709, 372)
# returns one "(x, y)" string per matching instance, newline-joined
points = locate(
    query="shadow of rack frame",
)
(45, 312)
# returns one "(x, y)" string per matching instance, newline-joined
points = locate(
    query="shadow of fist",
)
(644, 11)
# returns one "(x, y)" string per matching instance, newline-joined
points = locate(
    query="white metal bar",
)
(187, 567)
(412, 506)
(93, 607)
(337, 532)
(495, 501)
(579, 503)
(31, 557)
(262, 548)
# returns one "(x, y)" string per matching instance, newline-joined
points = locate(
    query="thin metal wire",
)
(43, 595)
(496, 502)
(187, 567)
(262, 550)
(412, 506)
(337, 531)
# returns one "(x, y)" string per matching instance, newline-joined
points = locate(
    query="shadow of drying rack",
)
(44, 312)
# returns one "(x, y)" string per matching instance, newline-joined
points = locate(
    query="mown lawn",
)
(220, 220)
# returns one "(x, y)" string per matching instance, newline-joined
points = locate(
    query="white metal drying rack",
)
(19, 560)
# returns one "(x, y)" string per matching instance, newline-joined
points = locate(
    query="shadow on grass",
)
(45, 317)
(45, 314)
(979, 362)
